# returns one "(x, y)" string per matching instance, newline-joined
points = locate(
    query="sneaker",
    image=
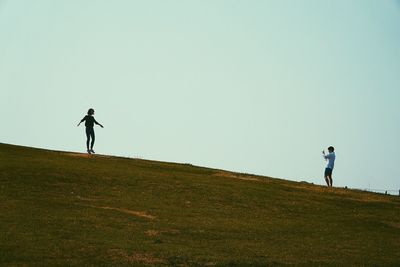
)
(92, 151)
(88, 151)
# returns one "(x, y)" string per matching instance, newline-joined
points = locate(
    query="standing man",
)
(330, 158)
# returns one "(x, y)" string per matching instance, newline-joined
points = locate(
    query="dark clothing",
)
(89, 121)
(328, 172)
(89, 134)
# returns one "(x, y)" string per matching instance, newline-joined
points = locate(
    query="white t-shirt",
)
(331, 160)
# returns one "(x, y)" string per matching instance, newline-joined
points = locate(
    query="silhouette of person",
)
(330, 158)
(89, 123)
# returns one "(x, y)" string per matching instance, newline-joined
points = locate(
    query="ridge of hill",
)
(62, 208)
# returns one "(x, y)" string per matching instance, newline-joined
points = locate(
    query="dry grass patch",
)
(138, 258)
(344, 193)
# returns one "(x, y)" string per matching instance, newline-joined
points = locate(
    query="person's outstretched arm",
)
(98, 123)
(82, 120)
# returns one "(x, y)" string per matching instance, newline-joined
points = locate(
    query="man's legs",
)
(87, 138)
(330, 179)
(327, 180)
(328, 176)
(92, 135)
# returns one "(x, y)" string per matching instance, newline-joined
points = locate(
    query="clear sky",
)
(250, 86)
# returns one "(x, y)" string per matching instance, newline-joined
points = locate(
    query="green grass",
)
(66, 209)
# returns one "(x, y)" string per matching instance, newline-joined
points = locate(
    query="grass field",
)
(69, 209)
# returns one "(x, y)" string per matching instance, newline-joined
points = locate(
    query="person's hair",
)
(331, 148)
(90, 111)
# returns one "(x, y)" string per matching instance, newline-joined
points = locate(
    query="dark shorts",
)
(328, 172)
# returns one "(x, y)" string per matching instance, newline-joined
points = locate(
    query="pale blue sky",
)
(251, 86)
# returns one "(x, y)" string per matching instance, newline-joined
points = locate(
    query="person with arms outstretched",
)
(89, 123)
(330, 158)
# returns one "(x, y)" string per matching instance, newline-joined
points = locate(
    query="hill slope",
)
(59, 208)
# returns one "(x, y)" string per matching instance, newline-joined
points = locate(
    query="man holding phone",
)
(330, 158)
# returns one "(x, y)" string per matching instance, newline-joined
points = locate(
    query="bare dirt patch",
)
(152, 233)
(236, 176)
(88, 199)
(141, 214)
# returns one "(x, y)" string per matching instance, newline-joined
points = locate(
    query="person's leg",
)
(92, 135)
(87, 138)
(326, 175)
(327, 180)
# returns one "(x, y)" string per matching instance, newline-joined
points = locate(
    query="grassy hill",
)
(69, 209)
